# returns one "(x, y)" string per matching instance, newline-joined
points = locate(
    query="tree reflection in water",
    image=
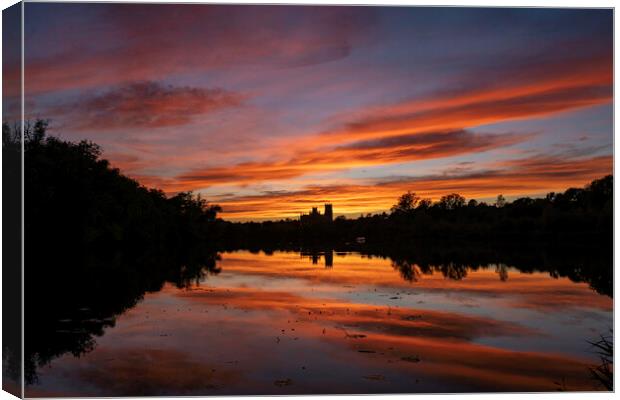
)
(69, 304)
(74, 303)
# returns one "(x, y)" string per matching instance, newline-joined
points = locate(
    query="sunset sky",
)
(270, 110)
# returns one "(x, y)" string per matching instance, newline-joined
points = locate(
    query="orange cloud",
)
(142, 43)
(145, 104)
(538, 90)
(518, 177)
(479, 113)
(433, 127)
(367, 153)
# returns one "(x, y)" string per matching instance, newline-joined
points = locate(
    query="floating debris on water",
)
(355, 336)
(375, 377)
(283, 382)
(351, 335)
(413, 359)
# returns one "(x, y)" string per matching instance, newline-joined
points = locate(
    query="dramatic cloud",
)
(403, 148)
(128, 42)
(562, 92)
(400, 133)
(146, 104)
(535, 176)
(426, 145)
(299, 104)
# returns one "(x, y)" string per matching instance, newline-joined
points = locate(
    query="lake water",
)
(293, 323)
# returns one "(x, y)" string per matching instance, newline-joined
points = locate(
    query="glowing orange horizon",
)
(269, 110)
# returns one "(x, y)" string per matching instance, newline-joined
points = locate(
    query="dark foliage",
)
(11, 253)
(73, 196)
(604, 372)
(577, 215)
(95, 242)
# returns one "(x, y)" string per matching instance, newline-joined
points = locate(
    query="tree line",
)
(577, 214)
(74, 196)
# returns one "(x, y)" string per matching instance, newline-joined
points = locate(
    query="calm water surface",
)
(343, 323)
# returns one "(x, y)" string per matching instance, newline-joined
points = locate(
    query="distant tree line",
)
(575, 214)
(74, 196)
(75, 200)
(567, 234)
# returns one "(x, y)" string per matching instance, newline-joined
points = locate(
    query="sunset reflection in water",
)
(281, 324)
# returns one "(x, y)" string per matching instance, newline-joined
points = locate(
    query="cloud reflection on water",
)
(268, 319)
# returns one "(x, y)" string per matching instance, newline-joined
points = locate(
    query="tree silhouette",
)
(500, 202)
(451, 201)
(406, 203)
(96, 240)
